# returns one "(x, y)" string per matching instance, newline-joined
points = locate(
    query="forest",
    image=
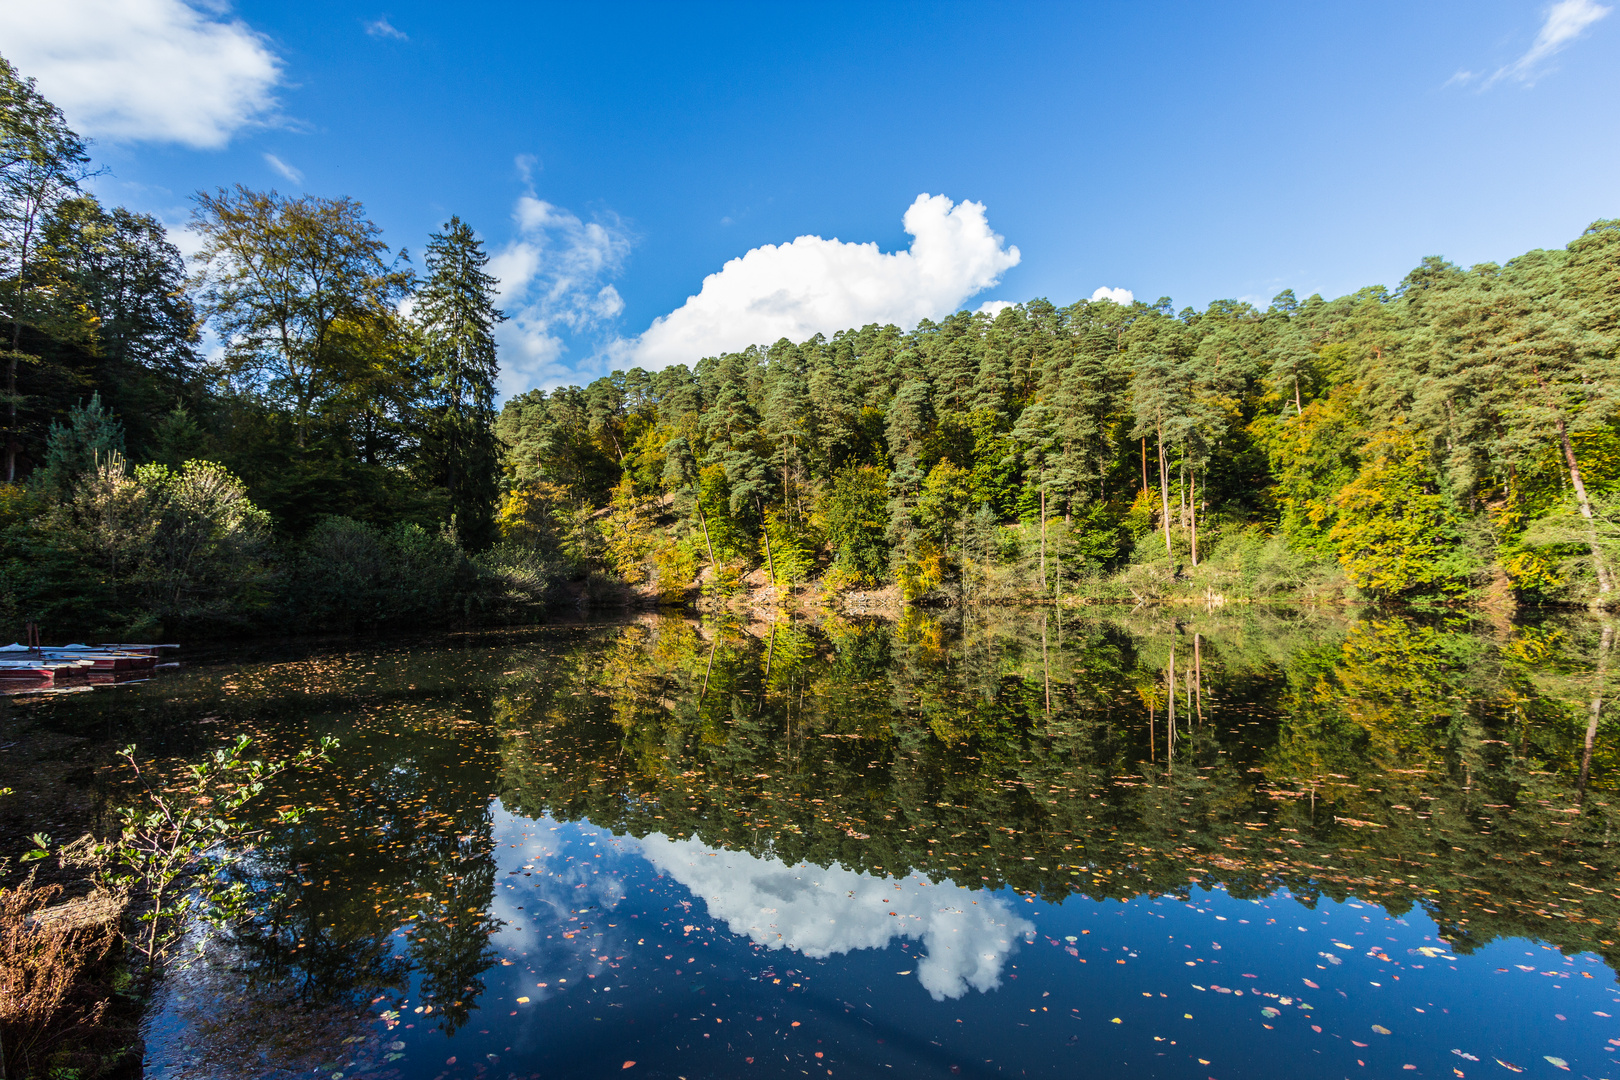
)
(294, 426)
(1451, 440)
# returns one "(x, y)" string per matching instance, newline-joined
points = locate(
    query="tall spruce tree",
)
(456, 311)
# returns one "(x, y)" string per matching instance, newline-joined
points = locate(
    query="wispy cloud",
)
(555, 279)
(1565, 21)
(283, 168)
(382, 28)
(145, 70)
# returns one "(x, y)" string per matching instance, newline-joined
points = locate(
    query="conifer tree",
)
(457, 315)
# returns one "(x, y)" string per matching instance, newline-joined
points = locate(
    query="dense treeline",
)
(1420, 442)
(330, 455)
(326, 459)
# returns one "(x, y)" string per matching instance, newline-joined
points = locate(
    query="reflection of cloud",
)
(566, 879)
(820, 912)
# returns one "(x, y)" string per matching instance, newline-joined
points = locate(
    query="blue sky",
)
(615, 156)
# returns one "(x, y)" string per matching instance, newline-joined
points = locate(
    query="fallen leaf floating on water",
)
(1505, 1065)
(1381, 1029)
(1557, 1062)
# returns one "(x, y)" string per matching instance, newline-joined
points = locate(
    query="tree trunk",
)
(1164, 500)
(770, 563)
(1596, 709)
(705, 523)
(1192, 508)
(1598, 563)
(11, 367)
(1046, 671)
(1170, 705)
(1043, 537)
(1144, 464)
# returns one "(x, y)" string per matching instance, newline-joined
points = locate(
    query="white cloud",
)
(1566, 21)
(993, 308)
(811, 285)
(153, 70)
(1122, 297)
(283, 168)
(825, 911)
(382, 28)
(553, 277)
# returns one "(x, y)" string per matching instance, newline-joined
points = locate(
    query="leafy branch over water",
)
(173, 850)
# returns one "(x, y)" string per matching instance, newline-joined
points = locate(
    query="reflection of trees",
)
(403, 836)
(1406, 760)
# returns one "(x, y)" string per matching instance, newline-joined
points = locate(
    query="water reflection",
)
(827, 911)
(756, 793)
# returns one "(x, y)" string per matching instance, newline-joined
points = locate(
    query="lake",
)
(1201, 844)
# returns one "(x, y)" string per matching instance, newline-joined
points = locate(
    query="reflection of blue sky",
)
(815, 911)
(821, 911)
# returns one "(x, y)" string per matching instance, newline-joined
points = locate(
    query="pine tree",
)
(456, 312)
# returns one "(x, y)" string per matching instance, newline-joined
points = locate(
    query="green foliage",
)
(792, 551)
(1395, 535)
(161, 548)
(75, 449)
(853, 516)
(173, 848)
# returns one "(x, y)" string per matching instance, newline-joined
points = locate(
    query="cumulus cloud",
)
(144, 70)
(811, 285)
(1118, 296)
(993, 308)
(283, 168)
(554, 278)
(826, 911)
(1565, 21)
(382, 28)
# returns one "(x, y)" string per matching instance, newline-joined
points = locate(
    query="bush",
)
(131, 554)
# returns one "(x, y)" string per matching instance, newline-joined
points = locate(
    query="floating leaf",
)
(1381, 1029)
(1557, 1062)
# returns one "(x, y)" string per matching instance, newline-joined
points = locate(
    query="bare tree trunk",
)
(1596, 708)
(705, 523)
(1043, 536)
(1198, 673)
(1192, 508)
(1170, 708)
(1598, 562)
(1046, 671)
(1164, 500)
(1144, 464)
(770, 563)
(11, 366)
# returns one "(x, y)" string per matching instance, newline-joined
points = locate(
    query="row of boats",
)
(33, 666)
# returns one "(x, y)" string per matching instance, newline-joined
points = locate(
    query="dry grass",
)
(43, 964)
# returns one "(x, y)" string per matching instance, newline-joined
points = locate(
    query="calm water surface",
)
(1217, 845)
